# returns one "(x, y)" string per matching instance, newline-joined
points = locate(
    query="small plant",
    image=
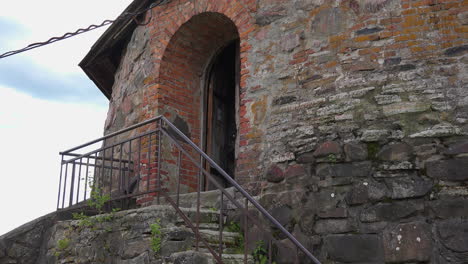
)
(63, 244)
(260, 253)
(97, 200)
(332, 158)
(156, 236)
(84, 220)
(87, 221)
(233, 227)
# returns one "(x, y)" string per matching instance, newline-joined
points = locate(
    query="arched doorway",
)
(198, 90)
(221, 107)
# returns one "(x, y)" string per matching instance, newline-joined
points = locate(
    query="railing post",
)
(64, 185)
(198, 204)
(139, 165)
(159, 162)
(246, 234)
(269, 251)
(86, 179)
(111, 172)
(72, 184)
(130, 164)
(178, 177)
(221, 227)
(121, 178)
(79, 181)
(101, 187)
(60, 183)
(148, 171)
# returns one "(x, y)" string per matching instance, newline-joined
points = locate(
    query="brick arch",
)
(182, 69)
(240, 12)
(184, 39)
(185, 60)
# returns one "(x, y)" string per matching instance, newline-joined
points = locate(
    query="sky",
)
(47, 103)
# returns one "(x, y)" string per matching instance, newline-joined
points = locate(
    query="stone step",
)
(206, 216)
(226, 249)
(212, 236)
(229, 239)
(208, 199)
(201, 257)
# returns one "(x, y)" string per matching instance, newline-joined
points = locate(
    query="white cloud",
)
(33, 130)
(32, 133)
(41, 20)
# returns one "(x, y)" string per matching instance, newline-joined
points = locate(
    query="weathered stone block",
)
(439, 130)
(454, 234)
(450, 170)
(295, 171)
(405, 107)
(290, 41)
(456, 51)
(457, 149)
(446, 209)
(395, 152)
(385, 99)
(306, 158)
(308, 4)
(333, 226)
(330, 21)
(270, 11)
(408, 187)
(283, 214)
(357, 195)
(328, 148)
(367, 31)
(275, 174)
(390, 211)
(333, 213)
(408, 242)
(373, 135)
(284, 100)
(354, 248)
(355, 152)
(357, 169)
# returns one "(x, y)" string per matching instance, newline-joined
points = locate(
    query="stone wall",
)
(353, 115)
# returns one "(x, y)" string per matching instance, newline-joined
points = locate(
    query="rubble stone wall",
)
(353, 116)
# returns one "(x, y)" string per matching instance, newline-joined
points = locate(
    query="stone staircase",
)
(209, 230)
(126, 237)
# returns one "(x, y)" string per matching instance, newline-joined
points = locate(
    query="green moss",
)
(332, 158)
(372, 150)
(63, 244)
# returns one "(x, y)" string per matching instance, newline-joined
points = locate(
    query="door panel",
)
(221, 117)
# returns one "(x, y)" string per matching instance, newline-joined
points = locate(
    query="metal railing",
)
(143, 161)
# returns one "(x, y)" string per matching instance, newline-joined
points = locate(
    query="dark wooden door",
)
(221, 118)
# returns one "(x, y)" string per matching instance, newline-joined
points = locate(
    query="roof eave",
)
(101, 62)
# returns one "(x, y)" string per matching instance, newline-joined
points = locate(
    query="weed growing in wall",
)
(62, 246)
(235, 227)
(156, 236)
(260, 253)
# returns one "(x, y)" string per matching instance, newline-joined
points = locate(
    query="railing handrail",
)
(242, 191)
(112, 134)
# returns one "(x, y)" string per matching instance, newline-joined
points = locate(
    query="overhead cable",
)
(125, 15)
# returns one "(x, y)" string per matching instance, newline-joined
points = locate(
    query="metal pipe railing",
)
(153, 166)
(242, 191)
